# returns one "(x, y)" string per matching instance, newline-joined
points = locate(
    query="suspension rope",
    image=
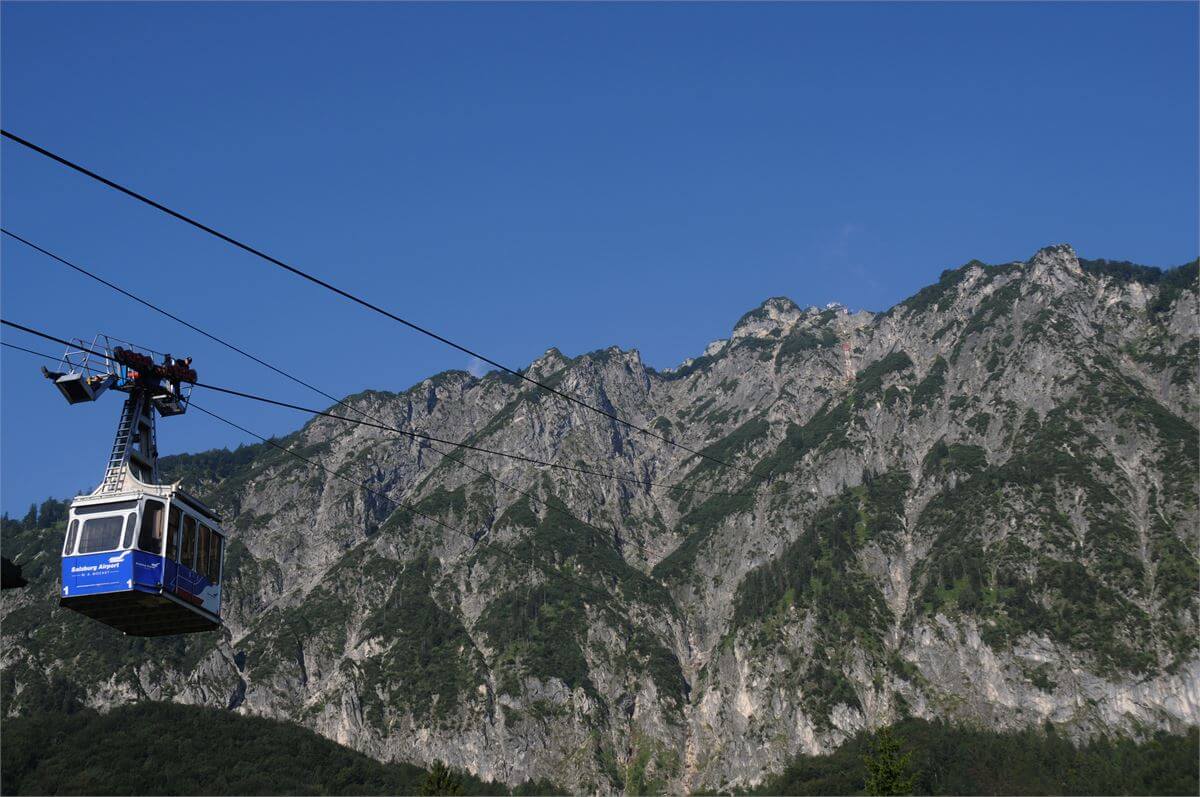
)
(359, 300)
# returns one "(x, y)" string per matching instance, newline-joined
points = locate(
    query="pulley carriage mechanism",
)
(139, 555)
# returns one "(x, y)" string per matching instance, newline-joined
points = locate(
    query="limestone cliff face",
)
(979, 505)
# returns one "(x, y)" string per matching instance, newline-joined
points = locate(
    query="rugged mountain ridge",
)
(980, 505)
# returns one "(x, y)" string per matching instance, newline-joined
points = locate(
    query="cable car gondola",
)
(143, 557)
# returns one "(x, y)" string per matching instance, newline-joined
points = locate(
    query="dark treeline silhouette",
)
(163, 748)
(920, 757)
(49, 514)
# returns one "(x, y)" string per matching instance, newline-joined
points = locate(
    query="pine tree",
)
(51, 512)
(441, 780)
(887, 767)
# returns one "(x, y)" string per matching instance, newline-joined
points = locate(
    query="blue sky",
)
(526, 176)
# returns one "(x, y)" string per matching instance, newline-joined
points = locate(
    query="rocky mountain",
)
(980, 505)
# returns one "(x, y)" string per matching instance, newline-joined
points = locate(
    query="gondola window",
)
(101, 534)
(214, 558)
(173, 534)
(202, 554)
(72, 533)
(150, 537)
(130, 528)
(187, 556)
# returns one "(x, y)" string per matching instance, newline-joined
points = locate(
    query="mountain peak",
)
(550, 361)
(1056, 256)
(775, 314)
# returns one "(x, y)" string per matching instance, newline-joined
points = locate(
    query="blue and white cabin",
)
(146, 562)
(141, 556)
